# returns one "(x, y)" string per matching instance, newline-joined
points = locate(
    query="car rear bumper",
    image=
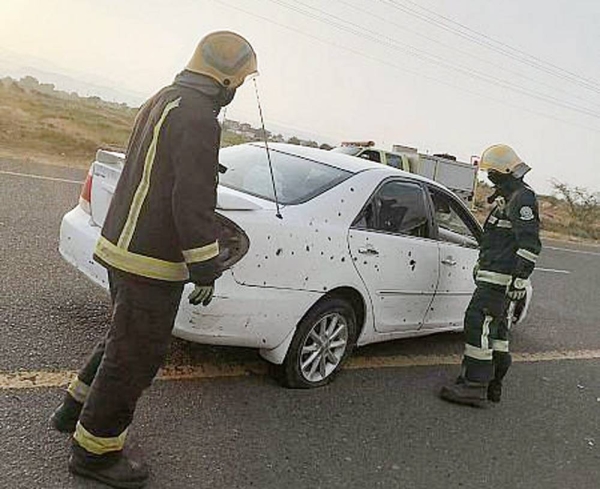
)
(239, 315)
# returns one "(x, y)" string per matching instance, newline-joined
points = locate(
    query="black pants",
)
(125, 362)
(487, 355)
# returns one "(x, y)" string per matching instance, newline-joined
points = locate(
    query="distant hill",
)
(39, 122)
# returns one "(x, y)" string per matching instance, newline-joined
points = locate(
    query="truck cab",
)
(458, 176)
(366, 150)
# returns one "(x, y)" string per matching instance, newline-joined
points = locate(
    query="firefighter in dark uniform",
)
(160, 232)
(509, 248)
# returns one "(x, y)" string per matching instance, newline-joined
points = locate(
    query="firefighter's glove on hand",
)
(202, 294)
(516, 289)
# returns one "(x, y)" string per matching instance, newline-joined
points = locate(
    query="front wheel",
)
(323, 340)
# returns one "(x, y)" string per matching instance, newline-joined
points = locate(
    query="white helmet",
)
(225, 57)
(503, 159)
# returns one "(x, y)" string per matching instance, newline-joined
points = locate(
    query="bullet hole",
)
(306, 279)
(355, 259)
(343, 259)
(339, 214)
(258, 265)
(268, 238)
(307, 248)
(410, 253)
(331, 257)
(322, 253)
(324, 288)
(342, 201)
(264, 341)
(326, 221)
(404, 320)
(310, 223)
(316, 230)
(264, 283)
(364, 263)
(351, 189)
(266, 257)
(293, 253)
(279, 252)
(329, 238)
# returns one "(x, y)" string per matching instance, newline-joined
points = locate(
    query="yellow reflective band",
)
(478, 353)
(203, 253)
(500, 345)
(144, 186)
(528, 255)
(96, 444)
(493, 277)
(78, 390)
(139, 264)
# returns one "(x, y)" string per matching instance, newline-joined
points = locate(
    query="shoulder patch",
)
(526, 213)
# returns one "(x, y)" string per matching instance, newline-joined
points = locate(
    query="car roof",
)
(331, 158)
(353, 164)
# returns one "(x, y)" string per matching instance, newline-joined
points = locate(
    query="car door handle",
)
(449, 261)
(368, 251)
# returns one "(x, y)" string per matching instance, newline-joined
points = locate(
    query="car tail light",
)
(85, 198)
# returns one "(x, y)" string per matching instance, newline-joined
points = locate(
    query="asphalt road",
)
(373, 427)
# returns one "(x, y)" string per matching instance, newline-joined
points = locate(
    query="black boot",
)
(114, 469)
(65, 417)
(494, 392)
(465, 392)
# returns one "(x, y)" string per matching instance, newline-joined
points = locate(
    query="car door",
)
(392, 251)
(458, 234)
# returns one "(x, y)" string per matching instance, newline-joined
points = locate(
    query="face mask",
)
(497, 178)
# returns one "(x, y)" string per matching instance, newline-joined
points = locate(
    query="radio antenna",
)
(262, 123)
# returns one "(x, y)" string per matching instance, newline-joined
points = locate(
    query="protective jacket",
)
(161, 222)
(510, 244)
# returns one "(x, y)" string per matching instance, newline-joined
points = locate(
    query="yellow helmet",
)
(224, 56)
(503, 159)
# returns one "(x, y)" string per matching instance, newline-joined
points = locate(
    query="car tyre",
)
(324, 338)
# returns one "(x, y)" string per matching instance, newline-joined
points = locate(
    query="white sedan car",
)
(361, 253)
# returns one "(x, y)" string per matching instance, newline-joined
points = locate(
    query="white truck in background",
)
(457, 176)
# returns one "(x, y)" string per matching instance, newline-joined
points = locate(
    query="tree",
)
(583, 206)
(294, 140)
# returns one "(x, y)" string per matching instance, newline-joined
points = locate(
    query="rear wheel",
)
(323, 340)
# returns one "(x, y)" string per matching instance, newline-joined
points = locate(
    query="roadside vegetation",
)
(40, 123)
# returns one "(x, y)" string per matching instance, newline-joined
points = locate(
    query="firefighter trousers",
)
(486, 356)
(125, 362)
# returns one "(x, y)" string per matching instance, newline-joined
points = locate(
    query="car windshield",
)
(297, 179)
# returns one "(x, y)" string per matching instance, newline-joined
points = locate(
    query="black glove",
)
(202, 294)
(516, 289)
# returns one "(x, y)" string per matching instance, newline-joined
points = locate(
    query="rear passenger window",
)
(453, 225)
(396, 208)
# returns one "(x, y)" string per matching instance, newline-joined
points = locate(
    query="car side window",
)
(371, 155)
(451, 221)
(394, 160)
(396, 208)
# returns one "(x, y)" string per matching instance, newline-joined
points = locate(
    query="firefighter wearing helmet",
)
(160, 233)
(509, 249)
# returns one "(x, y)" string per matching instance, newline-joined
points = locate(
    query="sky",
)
(444, 77)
